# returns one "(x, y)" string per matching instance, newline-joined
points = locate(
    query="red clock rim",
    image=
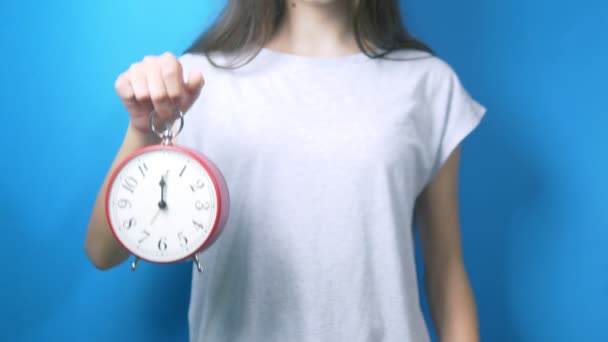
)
(191, 154)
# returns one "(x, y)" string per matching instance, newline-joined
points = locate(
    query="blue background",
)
(533, 175)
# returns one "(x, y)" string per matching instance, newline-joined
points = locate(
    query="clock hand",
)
(162, 204)
(155, 216)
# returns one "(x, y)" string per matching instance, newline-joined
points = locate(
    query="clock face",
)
(162, 204)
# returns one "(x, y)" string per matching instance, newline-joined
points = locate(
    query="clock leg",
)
(134, 264)
(198, 263)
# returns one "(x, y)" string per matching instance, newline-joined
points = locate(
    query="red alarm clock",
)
(166, 203)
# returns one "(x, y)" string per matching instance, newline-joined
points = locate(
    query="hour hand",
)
(162, 204)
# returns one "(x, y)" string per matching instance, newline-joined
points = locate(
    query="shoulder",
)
(217, 60)
(211, 66)
(195, 62)
(417, 58)
(434, 81)
(428, 70)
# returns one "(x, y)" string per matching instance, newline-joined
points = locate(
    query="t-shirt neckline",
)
(313, 60)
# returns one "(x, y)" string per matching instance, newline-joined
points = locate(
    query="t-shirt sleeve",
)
(454, 114)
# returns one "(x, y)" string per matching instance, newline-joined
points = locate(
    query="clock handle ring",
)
(167, 134)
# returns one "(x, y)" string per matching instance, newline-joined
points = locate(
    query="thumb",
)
(195, 82)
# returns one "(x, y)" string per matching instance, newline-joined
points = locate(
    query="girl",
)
(336, 131)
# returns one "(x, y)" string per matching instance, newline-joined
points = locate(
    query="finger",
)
(195, 83)
(156, 86)
(172, 75)
(139, 83)
(125, 90)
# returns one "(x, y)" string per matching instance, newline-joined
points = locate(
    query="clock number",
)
(199, 185)
(143, 168)
(130, 184)
(129, 223)
(162, 244)
(146, 235)
(184, 169)
(198, 225)
(183, 241)
(124, 203)
(200, 205)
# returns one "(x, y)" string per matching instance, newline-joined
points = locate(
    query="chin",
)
(320, 2)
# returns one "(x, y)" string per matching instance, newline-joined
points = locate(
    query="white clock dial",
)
(162, 205)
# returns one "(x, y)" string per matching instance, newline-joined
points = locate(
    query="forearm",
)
(101, 246)
(452, 303)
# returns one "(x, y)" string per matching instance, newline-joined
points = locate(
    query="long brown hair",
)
(246, 25)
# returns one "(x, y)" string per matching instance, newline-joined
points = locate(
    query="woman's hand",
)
(157, 84)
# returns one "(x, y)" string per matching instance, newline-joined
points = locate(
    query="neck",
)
(315, 29)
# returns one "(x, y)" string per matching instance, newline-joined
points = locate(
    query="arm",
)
(449, 292)
(101, 246)
(156, 83)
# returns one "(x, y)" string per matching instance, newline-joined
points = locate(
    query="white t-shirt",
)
(324, 159)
